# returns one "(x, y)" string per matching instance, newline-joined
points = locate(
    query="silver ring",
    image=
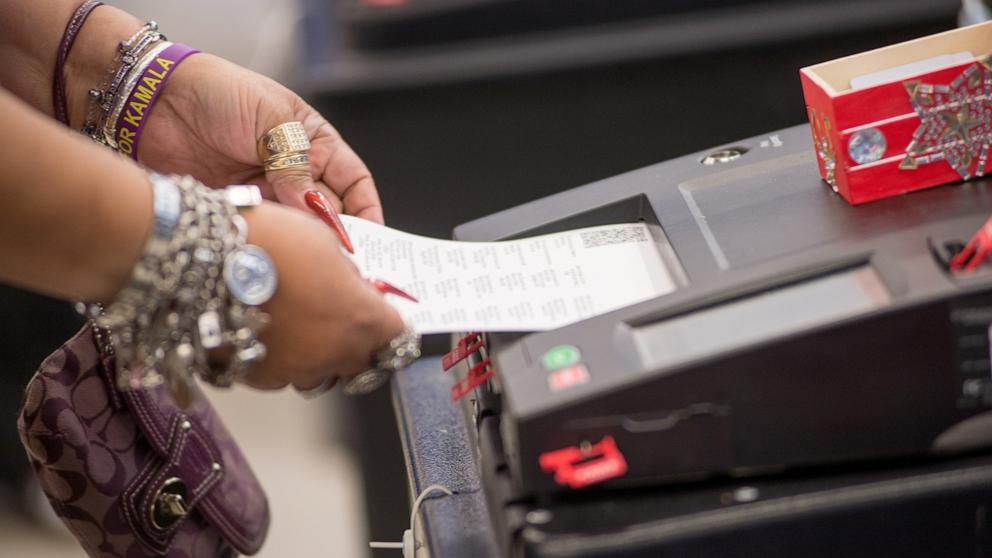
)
(395, 355)
(367, 382)
(314, 392)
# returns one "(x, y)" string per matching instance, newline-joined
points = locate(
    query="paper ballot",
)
(529, 284)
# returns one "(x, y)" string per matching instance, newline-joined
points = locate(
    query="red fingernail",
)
(958, 261)
(388, 288)
(320, 205)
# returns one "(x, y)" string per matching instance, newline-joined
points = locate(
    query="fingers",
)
(381, 329)
(283, 151)
(291, 185)
(393, 322)
(331, 196)
(346, 175)
(361, 199)
(314, 348)
(341, 176)
(295, 188)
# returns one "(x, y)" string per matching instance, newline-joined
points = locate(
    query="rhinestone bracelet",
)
(195, 288)
(109, 123)
(103, 96)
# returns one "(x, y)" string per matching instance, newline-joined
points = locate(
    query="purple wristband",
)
(140, 100)
(72, 28)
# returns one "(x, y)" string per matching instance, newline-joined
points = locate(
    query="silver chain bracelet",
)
(196, 288)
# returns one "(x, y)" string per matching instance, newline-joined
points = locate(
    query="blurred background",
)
(460, 108)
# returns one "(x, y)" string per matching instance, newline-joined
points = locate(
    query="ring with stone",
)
(367, 382)
(395, 355)
(284, 146)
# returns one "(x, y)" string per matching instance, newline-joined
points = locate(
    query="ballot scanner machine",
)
(806, 337)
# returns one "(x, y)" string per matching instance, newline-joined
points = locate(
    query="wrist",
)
(128, 216)
(92, 55)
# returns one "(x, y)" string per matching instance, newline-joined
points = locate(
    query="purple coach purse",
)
(129, 472)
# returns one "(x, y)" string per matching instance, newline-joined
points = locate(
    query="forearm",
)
(73, 216)
(30, 32)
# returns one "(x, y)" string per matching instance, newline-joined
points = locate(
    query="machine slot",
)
(789, 309)
(628, 210)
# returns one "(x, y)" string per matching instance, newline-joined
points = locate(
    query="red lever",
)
(465, 346)
(975, 251)
(579, 467)
(476, 375)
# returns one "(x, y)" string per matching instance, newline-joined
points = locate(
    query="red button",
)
(580, 466)
(574, 375)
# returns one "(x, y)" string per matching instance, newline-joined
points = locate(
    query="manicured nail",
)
(976, 251)
(385, 287)
(320, 205)
(959, 261)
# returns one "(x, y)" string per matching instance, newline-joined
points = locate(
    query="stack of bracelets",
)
(198, 285)
(196, 288)
(119, 105)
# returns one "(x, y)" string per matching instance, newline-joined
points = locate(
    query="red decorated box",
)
(904, 117)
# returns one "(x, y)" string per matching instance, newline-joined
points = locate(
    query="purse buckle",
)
(169, 505)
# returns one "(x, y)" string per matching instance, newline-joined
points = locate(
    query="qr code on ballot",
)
(618, 235)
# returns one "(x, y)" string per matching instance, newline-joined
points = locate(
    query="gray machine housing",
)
(803, 331)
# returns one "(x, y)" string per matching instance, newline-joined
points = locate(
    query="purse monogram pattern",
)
(131, 474)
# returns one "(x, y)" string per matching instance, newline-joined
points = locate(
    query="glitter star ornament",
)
(955, 121)
(905, 117)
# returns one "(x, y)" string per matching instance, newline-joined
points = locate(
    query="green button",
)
(560, 357)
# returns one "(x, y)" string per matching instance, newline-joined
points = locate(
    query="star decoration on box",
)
(955, 121)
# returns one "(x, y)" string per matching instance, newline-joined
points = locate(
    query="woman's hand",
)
(206, 123)
(326, 320)
(206, 120)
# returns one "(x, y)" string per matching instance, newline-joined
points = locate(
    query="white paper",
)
(529, 284)
(908, 70)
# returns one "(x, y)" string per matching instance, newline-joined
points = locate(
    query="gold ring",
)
(286, 139)
(288, 161)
